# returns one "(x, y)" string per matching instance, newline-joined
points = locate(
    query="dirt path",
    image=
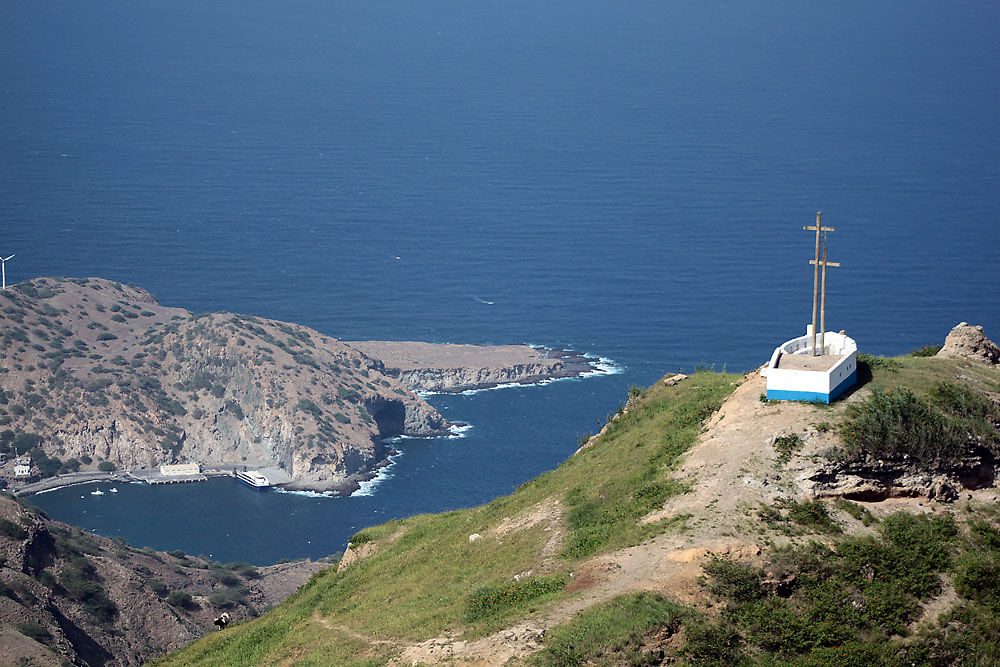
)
(735, 452)
(732, 470)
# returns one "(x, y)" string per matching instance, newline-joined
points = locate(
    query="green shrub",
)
(245, 570)
(713, 644)
(926, 351)
(224, 576)
(734, 581)
(812, 514)
(181, 599)
(786, 446)
(228, 597)
(80, 581)
(234, 407)
(872, 362)
(855, 510)
(895, 423)
(36, 631)
(106, 466)
(497, 599)
(977, 577)
(361, 537)
(611, 633)
(106, 336)
(12, 530)
(157, 587)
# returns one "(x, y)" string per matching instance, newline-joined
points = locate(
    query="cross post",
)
(818, 228)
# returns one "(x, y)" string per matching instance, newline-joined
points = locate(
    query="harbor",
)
(264, 476)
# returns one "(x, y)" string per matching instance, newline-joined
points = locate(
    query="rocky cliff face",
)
(449, 368)
(70, 597)
(447, 380)
(871, 480)
(101, 372)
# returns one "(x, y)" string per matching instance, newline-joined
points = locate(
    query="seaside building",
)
(179, 469)
(821, 365)
(22, 467)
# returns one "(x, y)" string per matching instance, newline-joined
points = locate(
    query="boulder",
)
(970, 342)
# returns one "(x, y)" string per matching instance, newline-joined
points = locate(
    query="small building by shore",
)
(178, 469)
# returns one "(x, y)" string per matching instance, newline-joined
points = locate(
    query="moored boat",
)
(252, 478)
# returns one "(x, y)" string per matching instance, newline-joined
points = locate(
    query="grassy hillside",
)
(428, 577)
(793, 581)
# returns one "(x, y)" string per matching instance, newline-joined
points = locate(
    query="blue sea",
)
(627, 179)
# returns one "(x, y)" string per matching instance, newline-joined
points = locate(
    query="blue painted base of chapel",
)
(813, 396)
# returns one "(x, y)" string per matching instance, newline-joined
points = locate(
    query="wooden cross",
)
(816, 278)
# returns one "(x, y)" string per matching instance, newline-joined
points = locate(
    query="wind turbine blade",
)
(6, 258)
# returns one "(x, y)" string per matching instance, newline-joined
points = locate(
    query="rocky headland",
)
(70, 597)
(94, 373)
(449, 368)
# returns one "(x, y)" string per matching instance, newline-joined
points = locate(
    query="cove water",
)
(626, 179)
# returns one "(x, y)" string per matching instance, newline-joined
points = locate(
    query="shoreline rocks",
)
(450, 369)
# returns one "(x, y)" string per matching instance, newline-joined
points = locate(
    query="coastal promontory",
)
(97, 374)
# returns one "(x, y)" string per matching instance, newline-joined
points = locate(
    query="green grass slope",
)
(427, 577)
(838, 583)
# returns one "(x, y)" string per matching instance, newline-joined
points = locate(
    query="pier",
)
(153, 476)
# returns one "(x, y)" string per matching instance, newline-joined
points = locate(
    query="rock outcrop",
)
(70, 597)
(448, 368)
(870, 480)
(970, 342)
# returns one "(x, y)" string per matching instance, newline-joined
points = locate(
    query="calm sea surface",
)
(627, 179)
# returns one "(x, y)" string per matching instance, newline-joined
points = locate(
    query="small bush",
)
(234, 407)
(106, 336)
(977, 578)
(734, 581)
(713, 644)
(611, 633)
(786, 446)
(895, 423)
(12, 530)
(228, 597)
(495, 600)
(36, 631)
(106, 466)
(224, 576)
(181, 599)
(360, 537)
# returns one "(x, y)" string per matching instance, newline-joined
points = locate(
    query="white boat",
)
(97, 492)
(114, 490)
(252, 478)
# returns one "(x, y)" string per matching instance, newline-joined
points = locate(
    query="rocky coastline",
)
(444, 368)
(125, 383)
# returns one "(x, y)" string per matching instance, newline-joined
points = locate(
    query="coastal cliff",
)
(96, 373)
(450, 368)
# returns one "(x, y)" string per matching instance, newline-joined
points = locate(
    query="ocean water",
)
(627, 179)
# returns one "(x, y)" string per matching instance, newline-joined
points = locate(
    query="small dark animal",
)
(222, 621)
